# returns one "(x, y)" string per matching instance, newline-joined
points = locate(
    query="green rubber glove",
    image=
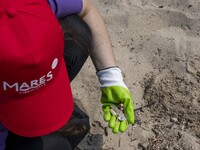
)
(115, 93)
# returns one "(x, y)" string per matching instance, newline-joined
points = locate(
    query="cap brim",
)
(42, 113)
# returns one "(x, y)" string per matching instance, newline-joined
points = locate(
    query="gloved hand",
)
(115, 93)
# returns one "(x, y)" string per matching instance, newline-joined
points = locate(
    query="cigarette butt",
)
(113, 112)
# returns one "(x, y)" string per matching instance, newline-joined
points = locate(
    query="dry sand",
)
(157, 46)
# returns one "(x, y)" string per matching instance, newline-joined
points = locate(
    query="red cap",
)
(35, 93)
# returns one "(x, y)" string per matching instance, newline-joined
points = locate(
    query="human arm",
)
(102, 52)
(114, 91)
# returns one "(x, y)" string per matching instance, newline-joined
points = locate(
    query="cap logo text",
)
(28, 87)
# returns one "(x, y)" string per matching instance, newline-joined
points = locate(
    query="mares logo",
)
(28, 87)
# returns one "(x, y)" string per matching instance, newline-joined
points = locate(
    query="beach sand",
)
(157, 47)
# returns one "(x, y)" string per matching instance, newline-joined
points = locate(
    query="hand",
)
(115, 93)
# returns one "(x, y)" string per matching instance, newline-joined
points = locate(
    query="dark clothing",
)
(77, 43)
(54, 141)
(78, 40)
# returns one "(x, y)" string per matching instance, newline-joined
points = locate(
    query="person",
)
(37, 64)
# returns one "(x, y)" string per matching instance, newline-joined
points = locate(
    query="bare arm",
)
(114, 90)
(102, 53)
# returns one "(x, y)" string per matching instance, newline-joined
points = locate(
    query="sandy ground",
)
(157, 46)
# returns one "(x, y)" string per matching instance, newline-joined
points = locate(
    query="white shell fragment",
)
(113, 112)
(118, 112)
(121, 117)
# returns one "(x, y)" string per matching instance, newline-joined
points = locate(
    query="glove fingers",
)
(107, 114)
(129, 113)
(130, 117)
(112, 122)
(120, 126)
(116, 127)
(123, 126)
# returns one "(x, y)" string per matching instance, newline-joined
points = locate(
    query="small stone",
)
(174, 120)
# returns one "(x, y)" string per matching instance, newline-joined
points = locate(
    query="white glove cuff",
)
(111, 77)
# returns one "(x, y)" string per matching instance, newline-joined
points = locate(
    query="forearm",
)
(102, 53)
